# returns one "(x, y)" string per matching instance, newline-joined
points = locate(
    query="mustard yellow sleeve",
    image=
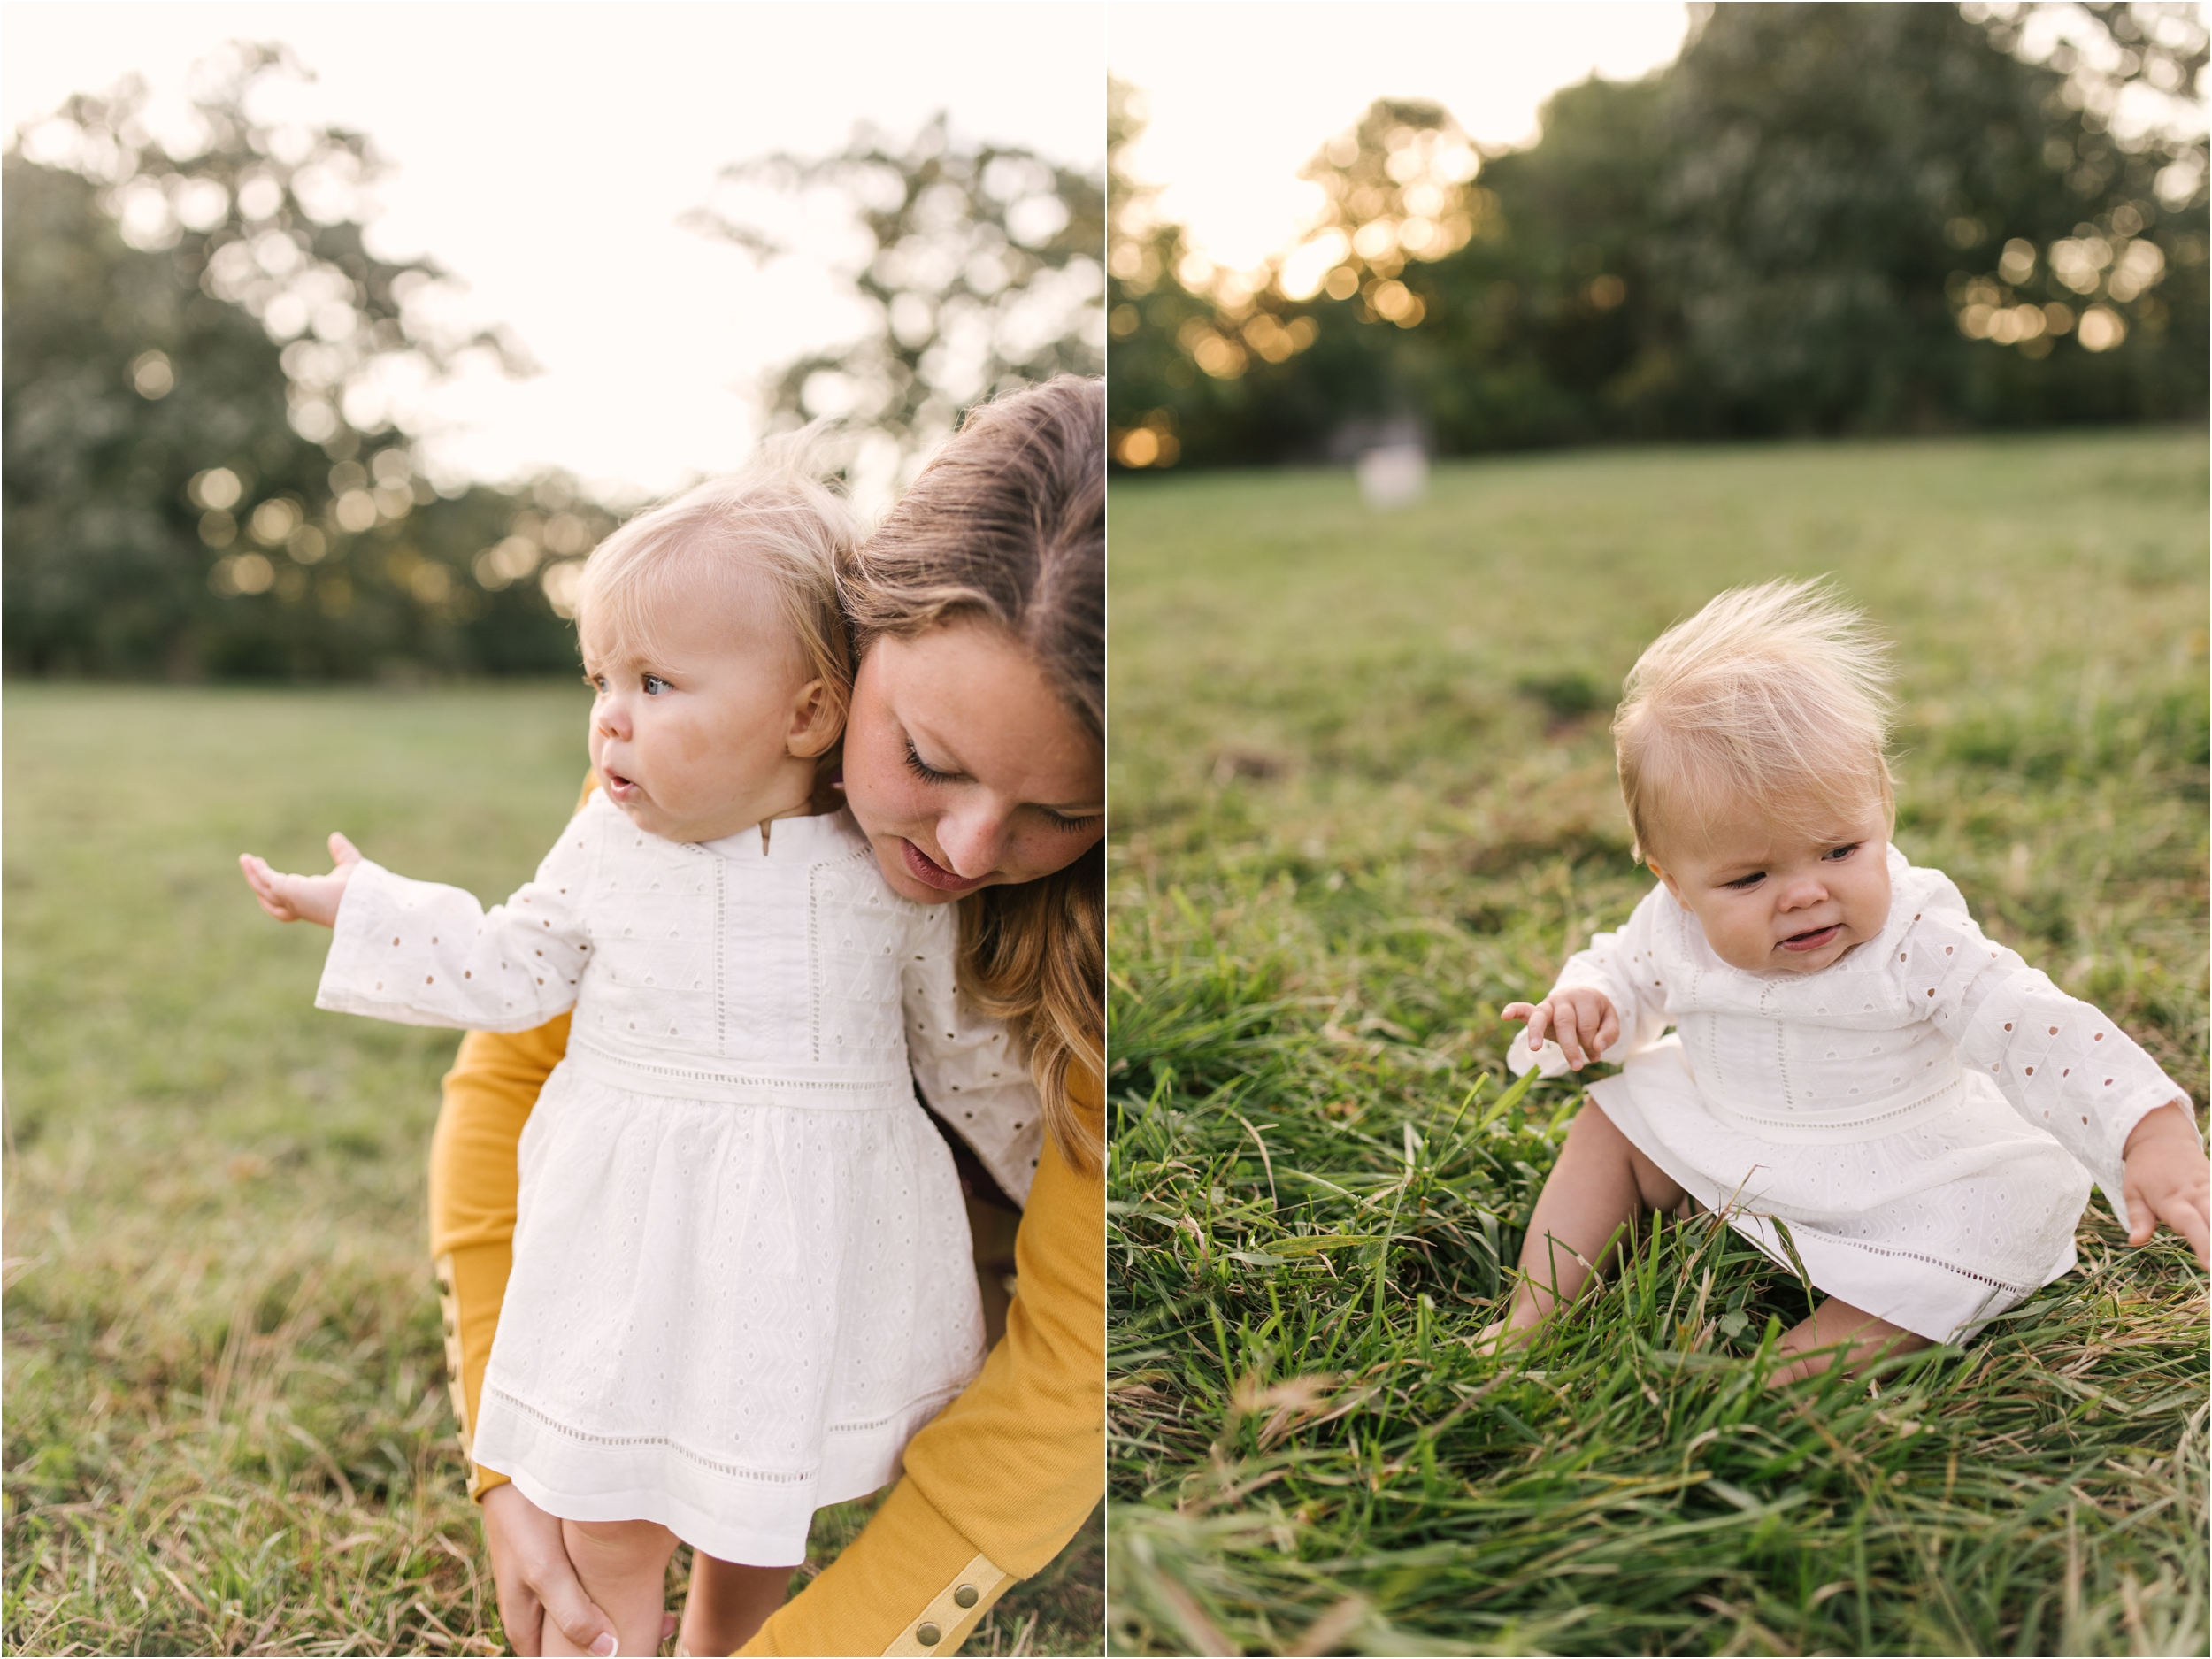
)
(489, 1096)
(1005, 1476)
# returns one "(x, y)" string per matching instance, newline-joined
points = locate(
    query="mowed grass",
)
(1362, 797)
(227, 1426)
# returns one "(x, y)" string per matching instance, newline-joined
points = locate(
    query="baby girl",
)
(742, 1276)
(1850, 1056)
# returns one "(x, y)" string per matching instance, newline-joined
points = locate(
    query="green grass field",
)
(226, 1428)
(1362, 797)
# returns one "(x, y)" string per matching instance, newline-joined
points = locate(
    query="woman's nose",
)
(974, 840)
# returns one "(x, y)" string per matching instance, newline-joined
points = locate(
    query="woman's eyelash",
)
(922, 769)
(928, 774)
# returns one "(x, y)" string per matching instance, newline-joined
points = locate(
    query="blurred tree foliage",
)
(202, 361)
(1821, 219)
(978, 265)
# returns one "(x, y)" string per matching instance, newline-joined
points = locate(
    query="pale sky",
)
(544, 152)
(1240, 96)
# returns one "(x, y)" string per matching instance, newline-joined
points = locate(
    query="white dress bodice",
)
(742, 969)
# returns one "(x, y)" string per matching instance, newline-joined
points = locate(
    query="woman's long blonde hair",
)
(1007, 524)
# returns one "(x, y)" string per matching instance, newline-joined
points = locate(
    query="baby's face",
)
(710, 732)
(1778, 900)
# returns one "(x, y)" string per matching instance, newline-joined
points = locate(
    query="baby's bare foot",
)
(1501, 1334)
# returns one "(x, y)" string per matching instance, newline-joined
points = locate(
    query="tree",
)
(1858, 197)
(982, 275)
(204, 470)
(1822, 218)
(1200, 367)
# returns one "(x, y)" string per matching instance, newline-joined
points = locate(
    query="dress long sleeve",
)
(2059, 1062)
(1619, 965)
(419, 954)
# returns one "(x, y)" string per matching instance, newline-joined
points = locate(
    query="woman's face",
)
(963, 766)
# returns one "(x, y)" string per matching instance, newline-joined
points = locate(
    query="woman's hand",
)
(2167, 1179)
(531, 1570)
(303, 898)
(1578, 1019)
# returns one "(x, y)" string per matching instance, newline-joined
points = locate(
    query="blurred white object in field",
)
(1396, 475)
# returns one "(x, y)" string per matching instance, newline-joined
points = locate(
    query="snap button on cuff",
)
(965, 1596)
(927, 1635)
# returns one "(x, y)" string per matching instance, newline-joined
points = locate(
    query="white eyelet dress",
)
(741, 1272)
(1923, 1116)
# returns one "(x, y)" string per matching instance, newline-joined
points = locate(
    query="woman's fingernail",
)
(604, 1648)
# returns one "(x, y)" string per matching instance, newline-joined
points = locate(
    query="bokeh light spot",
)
(151, 375)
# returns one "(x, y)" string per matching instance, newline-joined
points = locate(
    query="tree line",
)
(208, 470)
(1819, 219)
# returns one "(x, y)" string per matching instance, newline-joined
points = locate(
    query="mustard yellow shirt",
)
(994, 1486)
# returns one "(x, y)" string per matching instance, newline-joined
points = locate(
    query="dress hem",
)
(1925, 1294)
(652, 1478)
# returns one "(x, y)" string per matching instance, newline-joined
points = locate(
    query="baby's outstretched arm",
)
(303, 898)
(2168, 1178)
(1579, 1019)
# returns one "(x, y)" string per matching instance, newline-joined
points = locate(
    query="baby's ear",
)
(1665, 879)
(817, 720)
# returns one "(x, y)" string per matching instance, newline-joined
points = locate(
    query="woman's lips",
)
(1819, 939)
(927, 871)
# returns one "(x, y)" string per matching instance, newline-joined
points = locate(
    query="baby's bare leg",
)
(1836, 1321)
(622, 1564)
(727, 1604)
(1599, 1187)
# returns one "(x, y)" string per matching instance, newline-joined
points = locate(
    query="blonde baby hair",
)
(776, 519)
(1773, 698)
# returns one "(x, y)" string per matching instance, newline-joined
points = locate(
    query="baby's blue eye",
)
(1842, 853)
(655, 685)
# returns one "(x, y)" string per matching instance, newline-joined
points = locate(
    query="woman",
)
(974, 761)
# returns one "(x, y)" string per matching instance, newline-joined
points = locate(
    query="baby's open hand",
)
(1578, 1019)
(2166, 1180)
(303, 898)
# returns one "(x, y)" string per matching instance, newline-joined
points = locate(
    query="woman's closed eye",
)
(922, 769)
(1068, 822)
